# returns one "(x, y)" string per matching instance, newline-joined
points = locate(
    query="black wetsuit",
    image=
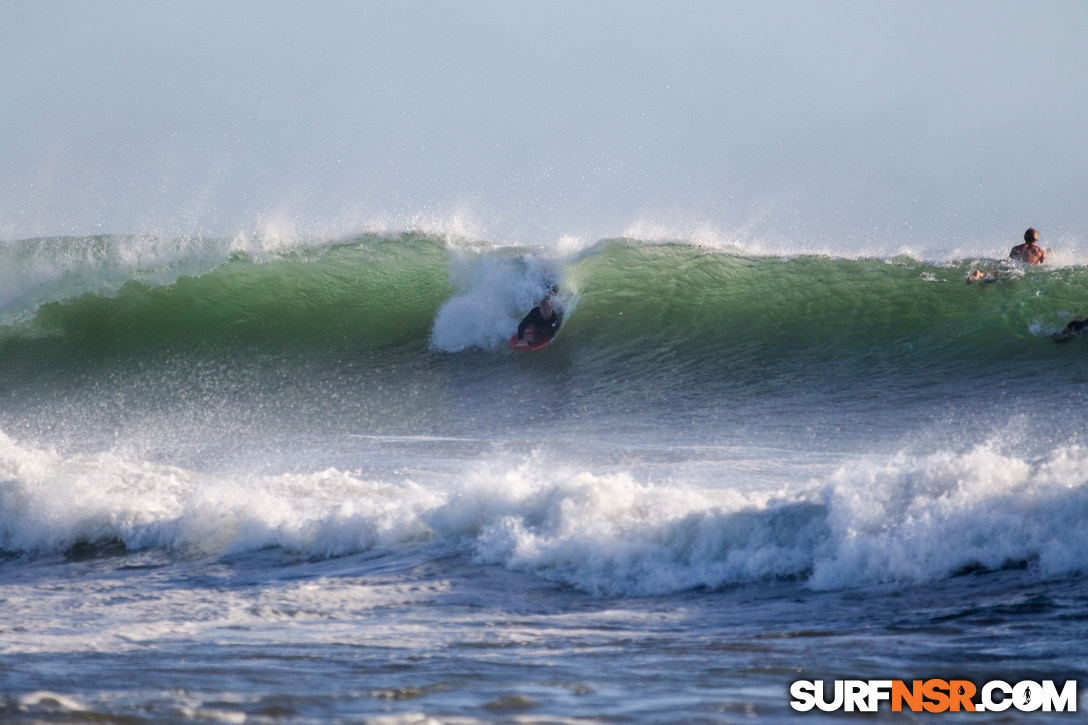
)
(545, 327)
(1075, 328)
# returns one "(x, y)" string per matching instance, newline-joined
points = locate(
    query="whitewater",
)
(303, 480)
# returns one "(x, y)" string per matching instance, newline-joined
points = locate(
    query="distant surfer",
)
(541, 323)
(1076, 328)
(1029, 253)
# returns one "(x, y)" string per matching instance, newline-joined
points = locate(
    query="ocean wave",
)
(897, 521)
(620, 297)
(375, 292)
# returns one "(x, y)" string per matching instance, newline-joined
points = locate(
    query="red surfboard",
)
(531, 340)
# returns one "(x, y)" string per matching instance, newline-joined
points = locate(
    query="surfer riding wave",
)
(538, 327)
(541, 323)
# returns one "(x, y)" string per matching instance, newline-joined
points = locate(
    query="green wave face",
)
(639, 308)
(371, 292)
(709, 303)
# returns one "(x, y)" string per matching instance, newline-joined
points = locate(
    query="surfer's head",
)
(1031, 236)
(546, 307)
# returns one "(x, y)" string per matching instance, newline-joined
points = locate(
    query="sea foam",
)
(898, 521)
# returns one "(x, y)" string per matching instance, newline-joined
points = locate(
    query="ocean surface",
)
(253, 480)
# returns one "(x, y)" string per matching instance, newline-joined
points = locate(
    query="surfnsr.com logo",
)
(934, 696)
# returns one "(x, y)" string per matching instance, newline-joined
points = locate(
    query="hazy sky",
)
(871, 124)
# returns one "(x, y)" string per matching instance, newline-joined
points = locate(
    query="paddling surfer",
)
(1029, 253)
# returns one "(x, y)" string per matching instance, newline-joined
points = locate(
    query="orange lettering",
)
(935, 691)
(961, 692)
(912, 695)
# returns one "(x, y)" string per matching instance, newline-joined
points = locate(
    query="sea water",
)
(308, 482)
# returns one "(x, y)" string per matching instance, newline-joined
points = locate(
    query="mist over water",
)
(832, 127)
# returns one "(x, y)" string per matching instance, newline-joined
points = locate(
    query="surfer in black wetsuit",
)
(542, 322)
(1076, 328)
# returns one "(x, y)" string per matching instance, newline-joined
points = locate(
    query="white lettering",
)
(994, 696)
(835, 704)
(855, 695)
(1064, 701)
(879, 690)
(804, 695)
(1027, 696)
(988, 696)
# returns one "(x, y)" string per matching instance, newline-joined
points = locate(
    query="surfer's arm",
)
(529, 319)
